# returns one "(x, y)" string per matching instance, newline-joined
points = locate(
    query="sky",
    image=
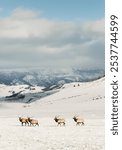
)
(52, 33)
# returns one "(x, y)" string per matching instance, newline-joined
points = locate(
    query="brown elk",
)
(60, 120)
(24, 121)
(78, 120)
(33, 121)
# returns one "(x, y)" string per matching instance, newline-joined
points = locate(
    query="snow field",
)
(49, 136)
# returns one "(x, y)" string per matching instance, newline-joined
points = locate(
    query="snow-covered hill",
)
(6, 90)
(82, 98)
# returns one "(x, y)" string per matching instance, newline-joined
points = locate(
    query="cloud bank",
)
(29, 39)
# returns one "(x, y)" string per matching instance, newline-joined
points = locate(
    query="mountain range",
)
(47, 78)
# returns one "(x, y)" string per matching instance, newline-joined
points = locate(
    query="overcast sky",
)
(52, 33)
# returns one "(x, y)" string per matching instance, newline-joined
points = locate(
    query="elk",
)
(78, 120)
(24, 121)
(60, 120)
(33, 121)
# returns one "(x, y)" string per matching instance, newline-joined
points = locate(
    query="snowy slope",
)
(6, 90)
(84, 98)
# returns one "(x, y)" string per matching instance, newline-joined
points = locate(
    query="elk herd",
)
(58, 119)
(28, 121)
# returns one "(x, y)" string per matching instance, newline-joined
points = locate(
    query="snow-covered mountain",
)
(47, 77)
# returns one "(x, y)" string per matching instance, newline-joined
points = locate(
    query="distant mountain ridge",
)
(47, 78)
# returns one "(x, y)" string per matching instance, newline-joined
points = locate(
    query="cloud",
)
(23, 14)
(28, 39)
